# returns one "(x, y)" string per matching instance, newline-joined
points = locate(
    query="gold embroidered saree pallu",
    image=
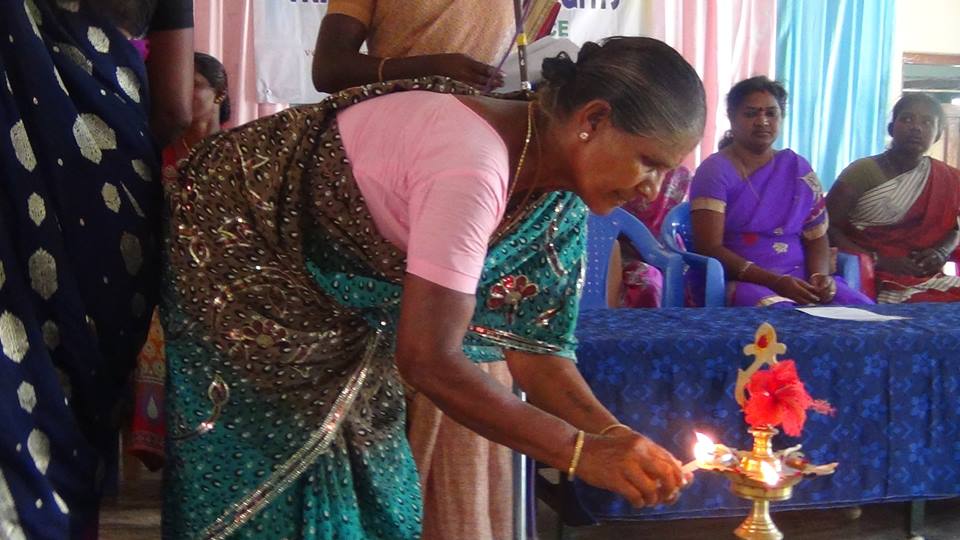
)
(286, 414)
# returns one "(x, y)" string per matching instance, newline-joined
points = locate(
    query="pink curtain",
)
(725, 41)
(224, 29)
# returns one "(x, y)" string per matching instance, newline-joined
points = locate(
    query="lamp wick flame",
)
(704, 450)
(769, 474)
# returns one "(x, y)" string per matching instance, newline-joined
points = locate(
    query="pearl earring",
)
(584, 135)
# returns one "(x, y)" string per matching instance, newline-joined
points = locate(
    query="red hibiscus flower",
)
(777, 397)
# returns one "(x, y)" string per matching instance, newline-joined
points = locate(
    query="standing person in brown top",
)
(466, 480)
(460, 39)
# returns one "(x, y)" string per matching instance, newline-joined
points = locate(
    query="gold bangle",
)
(612, 427)
(380, 68)
(743, 269)
(577, 450)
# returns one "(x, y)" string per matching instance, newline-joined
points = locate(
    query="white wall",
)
(925, 26)
(929, 26)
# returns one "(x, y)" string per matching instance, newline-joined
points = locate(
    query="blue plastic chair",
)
(676, 225)
(848, 266)
(602, 232)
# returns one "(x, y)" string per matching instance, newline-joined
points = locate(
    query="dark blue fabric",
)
(896, 434)
(79, 213)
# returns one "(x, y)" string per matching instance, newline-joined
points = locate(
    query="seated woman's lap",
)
(755, 295)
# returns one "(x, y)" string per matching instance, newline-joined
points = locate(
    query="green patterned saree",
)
(285, 409)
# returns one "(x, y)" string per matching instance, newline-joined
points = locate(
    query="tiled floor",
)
(136, 516)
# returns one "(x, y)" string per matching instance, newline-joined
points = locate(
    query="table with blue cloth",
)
(895, 386)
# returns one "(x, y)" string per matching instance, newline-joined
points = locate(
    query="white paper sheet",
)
(848, 314)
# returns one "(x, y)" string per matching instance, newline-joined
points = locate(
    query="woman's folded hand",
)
(825, 286)
(930, 260)
(796, 289)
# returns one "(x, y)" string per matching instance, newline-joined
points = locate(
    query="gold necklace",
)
(517, 210)
(523, 153)
(740, 164)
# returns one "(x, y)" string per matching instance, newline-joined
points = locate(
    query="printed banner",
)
(592, 20)
(285, 34)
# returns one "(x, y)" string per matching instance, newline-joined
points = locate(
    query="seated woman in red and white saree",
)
(899, 209)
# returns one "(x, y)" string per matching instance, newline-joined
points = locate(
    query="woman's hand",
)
(633, 466)
(462, 68)
(905, 266)
(796, 289)
(825, 286)
(930, 260)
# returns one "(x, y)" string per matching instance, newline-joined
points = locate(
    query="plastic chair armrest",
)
(715, 280)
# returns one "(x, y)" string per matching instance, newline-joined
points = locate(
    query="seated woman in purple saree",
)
(761, 212)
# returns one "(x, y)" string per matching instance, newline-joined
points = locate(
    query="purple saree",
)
(766, 217)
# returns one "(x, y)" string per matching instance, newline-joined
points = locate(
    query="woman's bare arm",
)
(816, 254)
(841, 200)
(554, 384)
(170, 70)
(433, 322)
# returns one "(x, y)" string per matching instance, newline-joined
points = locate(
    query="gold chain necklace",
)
(517, 210)
(741, 166)
(523, 153)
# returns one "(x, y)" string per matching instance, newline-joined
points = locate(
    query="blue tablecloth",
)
(896, 434)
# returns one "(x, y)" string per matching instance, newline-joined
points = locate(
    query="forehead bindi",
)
(760, 102)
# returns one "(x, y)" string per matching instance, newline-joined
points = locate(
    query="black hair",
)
(761, 83)
(651, 89)
(213, 71)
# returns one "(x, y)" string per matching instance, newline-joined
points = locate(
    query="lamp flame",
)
(704, 451)
(769, 474)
